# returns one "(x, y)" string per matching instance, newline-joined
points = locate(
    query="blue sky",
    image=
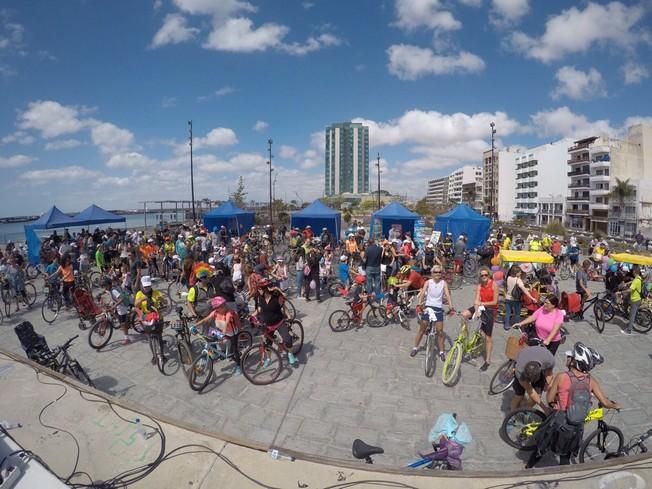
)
(96, 95)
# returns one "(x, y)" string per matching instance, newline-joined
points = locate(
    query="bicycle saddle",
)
(361, 450)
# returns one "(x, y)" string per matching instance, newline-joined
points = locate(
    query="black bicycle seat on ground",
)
(361, 450)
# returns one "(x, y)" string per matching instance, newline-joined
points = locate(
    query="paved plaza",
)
(352, 384)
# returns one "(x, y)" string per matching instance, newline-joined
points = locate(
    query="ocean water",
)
(15, 231)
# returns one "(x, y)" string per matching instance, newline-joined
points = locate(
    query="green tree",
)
(423, 208)
(622, 191)
(347, 217)
(555, 228)
(239, 196)
(369, 205)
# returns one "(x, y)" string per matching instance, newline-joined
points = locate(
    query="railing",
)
(580, 159)
(578, 198)
(581, 212)
(580, 185)
(578, 146)
(574, 173)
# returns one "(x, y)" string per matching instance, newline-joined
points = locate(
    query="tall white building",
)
(456, 180)
(462, 185)
(437, 191)
(503, 192)
(540, 180)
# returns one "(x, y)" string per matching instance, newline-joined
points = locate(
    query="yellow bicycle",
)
(464, 346)
(520, 424)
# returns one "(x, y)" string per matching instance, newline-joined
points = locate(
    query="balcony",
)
(600, 191)
(578, 212)
(580, 159)
(600, 148)
(580, 198)
(595, 206)
(580, 184)
(601, 164)
(578, 146)
(577, 173)
(599, 178)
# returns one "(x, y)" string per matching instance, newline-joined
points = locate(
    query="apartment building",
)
(540, 174)
(346, 169)
(596, 165)
(462, 185)
(437, 191)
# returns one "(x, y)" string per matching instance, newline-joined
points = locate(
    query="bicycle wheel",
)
(451, 370)
(200, 372)
(339, 320)
(175, 291)
(643, 321)
(375, 318)
(429, 360)
(519, 426)
(403, 320)
(290, 310)
(50, 309)
(607, 308)
(32, 271)
(295, 328)
(30, 294)
(185, 356)
(599, 314)
(100, 334)
(503, 378)
(261, 364)
(564, 272)
(600, 443)
(469, 268)
(95, 279)
(334, 288)
(167, 308)
(155, 341)
(80, 374)
(455, 281)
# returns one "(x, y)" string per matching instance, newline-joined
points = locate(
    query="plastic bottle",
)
(8, 425)
(276, 455)
(140, 429)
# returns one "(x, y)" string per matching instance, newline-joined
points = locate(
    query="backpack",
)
(517, 292)
(645, 292)
(579, 397)
(126, 296)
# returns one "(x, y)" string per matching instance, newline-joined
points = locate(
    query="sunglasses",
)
(484, 274)
(436, 272)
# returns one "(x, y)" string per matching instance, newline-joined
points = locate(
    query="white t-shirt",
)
(121, 308)
(435, 294)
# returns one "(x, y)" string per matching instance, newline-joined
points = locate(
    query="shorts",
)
(122, 318)
(539, 385)
(486, 320)
(438, 311)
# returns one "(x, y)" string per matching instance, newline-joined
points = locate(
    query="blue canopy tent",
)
(232, 217)
(463, 219)
(51, 219)
(96, 215)
(318, 216)
(393, 215)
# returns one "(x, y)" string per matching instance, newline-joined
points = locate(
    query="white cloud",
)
(51, 118)
(239, 163)
(168, 102)
(227, 90)
(311, 44)
(15, 161)
(409, 62)
(576, 31)
(11, 33)
(307, 5)
(217, 8)
(220, 136)
(157, 4)
(261, 126)
(562, 122)
(174, 30)
(507, 12)
(471, 3)
(287, 152)
(311, 159)
(62, 144)
(239, 35)
(128, 160)
(425, 13)
(634, 73)
(579, 85)
(111, 139)
(18, 137)
(67, 174)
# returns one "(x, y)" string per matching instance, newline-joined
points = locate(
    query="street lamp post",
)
(378, 167)
(269, 143)
(493, 169)
(192, 177)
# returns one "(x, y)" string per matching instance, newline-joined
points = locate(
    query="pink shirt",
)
(546, 321)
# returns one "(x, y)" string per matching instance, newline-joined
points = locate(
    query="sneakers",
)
(237, 371)
(266, 363)
(414, 351)
(292, 359)
(484, 367)
(442, 356)
(626, 332)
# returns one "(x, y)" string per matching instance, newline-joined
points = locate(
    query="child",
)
(237, 272)
(356, 295)
(343, 271)
(280, 272)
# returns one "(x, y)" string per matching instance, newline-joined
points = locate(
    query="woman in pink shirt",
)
(547, 320)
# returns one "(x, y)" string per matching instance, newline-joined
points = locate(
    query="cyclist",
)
(269, 308)
(556, 433)
(121, 302)
(67, 274)
(148, 300)
(226, 321)
(200, 294)
(433, 293)
(532, 372)
(355, 297)
(486, 295)
(582, 281)
(548, 320)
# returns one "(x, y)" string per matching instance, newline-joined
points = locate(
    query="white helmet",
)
(585, 357)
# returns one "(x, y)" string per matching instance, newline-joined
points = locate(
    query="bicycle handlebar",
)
(67, 344)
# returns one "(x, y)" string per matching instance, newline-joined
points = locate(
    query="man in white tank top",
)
(432, 294)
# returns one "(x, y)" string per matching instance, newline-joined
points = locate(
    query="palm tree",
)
(622, 191)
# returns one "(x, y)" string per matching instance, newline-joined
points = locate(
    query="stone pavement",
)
(353, 384)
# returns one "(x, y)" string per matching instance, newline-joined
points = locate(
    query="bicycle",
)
(464, 345)
(635, 446)
(520, 424)
(213, 349)
(343, 320)
(565, 270)
(384, 313)
(606, 309)
(60, 361)
(262, 362)
(11, 295)
(182, 340)
(52, 303)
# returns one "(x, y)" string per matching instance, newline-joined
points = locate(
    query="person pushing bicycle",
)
(433, 292)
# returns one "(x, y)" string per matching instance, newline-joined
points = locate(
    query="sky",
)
(95, 96)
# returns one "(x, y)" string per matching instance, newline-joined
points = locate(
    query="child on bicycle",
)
(220, 323)
(356, 297)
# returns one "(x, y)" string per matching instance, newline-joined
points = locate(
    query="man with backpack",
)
(570, 395)
(637, 292)
(200, 295)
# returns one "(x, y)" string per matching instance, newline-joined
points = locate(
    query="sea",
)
(15, 231)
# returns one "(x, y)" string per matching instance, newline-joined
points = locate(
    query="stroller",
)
(35, 346)
(87, 309)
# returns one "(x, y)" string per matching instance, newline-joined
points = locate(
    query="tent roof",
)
(96, 215)
(316, 209)
(463, 211)
(228, 208)
(53, 218)
(395, 210)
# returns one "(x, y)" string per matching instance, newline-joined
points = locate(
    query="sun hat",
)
(146, 281)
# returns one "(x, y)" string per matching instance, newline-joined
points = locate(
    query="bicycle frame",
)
(596, 414)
